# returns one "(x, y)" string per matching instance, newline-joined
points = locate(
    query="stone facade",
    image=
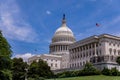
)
(100, 50)
(52, 60)
(68, 54)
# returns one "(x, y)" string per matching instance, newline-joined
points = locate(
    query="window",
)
(55, 65)
(96, 45)
(118, 52)
(90, 53)
(77, 64)
(110, 50)
(100, 52)
(118, 45)
(83, 63)
(113, 44)
(51, 64)
(86, 54)
(97, 52)
(114, 51)
(93, 53)
(109, 43)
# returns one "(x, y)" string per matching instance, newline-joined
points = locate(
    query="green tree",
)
(19, 69)
(118, 60)
(106, 71)
(5, 60)
(89, 69)
(39, 69)
(114, 72)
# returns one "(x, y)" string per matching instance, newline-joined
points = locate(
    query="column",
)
(95, 49)
(85, 52)
(91, 49)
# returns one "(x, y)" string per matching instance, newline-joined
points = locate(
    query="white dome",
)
(61, 40)
(63, 33)
(63, 28)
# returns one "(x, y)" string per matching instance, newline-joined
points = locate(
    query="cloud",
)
(48, 12)
(13, 24)
(24, 56)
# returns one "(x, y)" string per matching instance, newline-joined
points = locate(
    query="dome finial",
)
(63, 16)
(64, 20)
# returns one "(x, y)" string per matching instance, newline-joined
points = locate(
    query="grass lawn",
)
(100, 77)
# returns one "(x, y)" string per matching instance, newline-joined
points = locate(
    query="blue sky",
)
(29, 25)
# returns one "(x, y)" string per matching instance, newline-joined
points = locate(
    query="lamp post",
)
(26, 73)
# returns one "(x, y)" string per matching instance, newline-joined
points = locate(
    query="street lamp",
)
(26, 73)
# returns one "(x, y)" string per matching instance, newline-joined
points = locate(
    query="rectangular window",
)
(51, 64)
(55, 65)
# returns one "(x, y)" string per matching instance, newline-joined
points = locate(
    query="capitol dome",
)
(63, 33)
(62, 38)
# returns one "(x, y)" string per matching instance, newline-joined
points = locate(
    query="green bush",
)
(114, 72)
(89, 69)
(74, 73)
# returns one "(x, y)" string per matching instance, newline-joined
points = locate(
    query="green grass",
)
(100, 77)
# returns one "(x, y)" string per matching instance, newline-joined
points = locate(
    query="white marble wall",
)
(82, 51)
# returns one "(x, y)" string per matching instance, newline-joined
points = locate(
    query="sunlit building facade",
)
(100, 50)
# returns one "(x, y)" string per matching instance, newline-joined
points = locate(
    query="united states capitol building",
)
(65, 53)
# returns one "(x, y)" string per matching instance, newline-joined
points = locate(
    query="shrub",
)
(106, 71)
(74, 73)
(89, 69)
(114, 72)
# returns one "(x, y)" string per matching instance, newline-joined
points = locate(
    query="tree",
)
(19, 69)
(39, 69)
(114, 72)
(5, 60)
(106, 71)
(118, 60)
(89, 69)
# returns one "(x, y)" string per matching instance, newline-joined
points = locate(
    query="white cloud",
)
(13, 24)
(24, 56)
(48, 12)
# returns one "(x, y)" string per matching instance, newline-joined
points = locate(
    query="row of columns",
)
(63, 39)
(57, 48)
(84, 48)
(75, 52)
(76, 65)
